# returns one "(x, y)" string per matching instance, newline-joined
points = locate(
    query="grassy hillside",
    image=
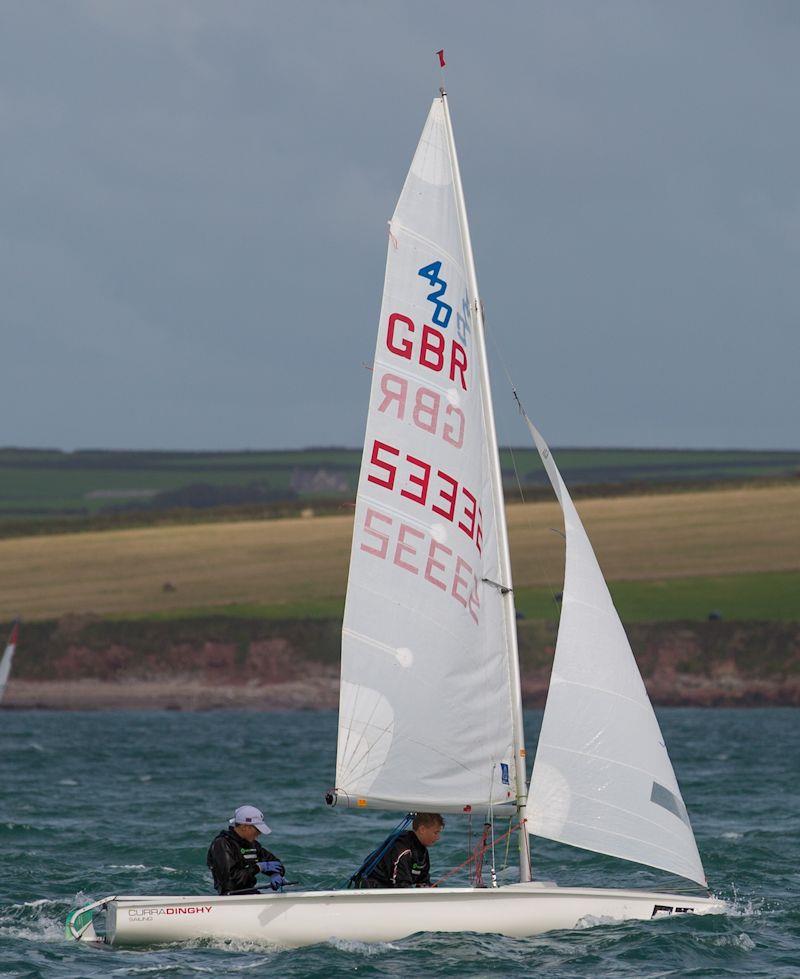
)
(40, 485)
(671, 556)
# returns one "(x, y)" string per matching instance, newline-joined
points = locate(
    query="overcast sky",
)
(194, 196)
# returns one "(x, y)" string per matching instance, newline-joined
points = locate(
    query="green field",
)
(762, 597)
(46, 484)
(753, 597)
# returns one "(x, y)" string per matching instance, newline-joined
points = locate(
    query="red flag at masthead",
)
(441, 58)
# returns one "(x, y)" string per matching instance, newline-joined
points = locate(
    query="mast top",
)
(442, 63)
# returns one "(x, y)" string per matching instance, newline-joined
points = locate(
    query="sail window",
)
(662, 796)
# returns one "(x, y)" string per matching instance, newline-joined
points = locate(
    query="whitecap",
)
(361, 948)
(593, 920)
(732, 836)
(162, 970)
(743, 941)
(239, 945)
(43, 928)
(68, 781)
(740, 906)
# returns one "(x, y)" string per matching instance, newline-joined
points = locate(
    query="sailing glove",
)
(271, 867)
(277, 882)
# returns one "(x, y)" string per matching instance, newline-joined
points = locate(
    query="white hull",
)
(306, 918)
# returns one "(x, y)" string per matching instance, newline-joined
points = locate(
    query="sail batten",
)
(602, 779)
(427, 242)
(645, 708)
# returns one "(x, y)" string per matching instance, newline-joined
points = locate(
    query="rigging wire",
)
(469, 831)
(473, 857)
(492, 866)
(508, 842)
(547, 568)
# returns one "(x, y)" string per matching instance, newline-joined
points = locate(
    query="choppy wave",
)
(144, 827)
(594, 920)
(39, 920)
(368, 949)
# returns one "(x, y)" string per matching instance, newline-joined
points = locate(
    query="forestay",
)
(425, 716)
(602, 779)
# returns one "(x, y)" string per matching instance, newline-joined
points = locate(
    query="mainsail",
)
(429, 695)
(8, 656)
(602, 779)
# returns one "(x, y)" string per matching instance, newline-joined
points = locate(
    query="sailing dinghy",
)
(8, 658)
(430, 715)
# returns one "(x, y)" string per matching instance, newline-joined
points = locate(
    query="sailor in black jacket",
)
(407, 863)
(235, 856)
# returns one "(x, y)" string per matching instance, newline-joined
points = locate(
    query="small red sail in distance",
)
(441, 58)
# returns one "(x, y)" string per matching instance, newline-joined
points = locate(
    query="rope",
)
(477, 877)
(469, 832)
(492, 870)
(508, 842)
(479, 853)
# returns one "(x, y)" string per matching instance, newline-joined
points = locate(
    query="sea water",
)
(93, 804)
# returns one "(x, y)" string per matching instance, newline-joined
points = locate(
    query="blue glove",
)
(277, 882)
(270, 866)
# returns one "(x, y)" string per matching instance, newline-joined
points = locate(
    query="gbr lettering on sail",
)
(421, 476)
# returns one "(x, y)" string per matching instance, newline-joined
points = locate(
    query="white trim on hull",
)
(309, 917)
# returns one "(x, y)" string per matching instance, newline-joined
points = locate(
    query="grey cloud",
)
(194, 198)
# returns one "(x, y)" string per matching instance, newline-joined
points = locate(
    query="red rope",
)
(479, 852)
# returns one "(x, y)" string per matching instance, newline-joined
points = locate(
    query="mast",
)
(507, 594)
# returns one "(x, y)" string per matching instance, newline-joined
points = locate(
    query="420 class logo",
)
(441, 311)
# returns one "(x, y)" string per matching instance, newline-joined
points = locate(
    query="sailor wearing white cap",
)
(235, 856)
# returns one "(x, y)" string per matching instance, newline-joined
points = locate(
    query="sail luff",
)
(507, 596)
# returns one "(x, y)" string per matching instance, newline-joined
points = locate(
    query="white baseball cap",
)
(250, 816)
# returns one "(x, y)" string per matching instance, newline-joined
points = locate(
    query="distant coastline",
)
(248, 613)
(86, 664)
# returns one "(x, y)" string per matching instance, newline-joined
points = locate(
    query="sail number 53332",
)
(419, 482)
